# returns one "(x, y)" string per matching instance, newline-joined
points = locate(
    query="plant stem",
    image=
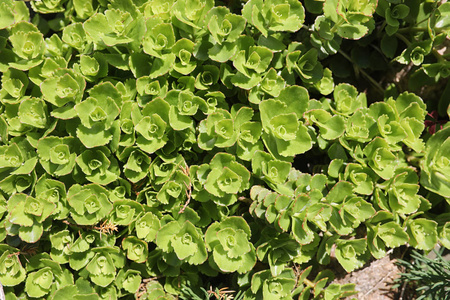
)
(364, 73)
(336, 26)
(411, 29)
(308, 282)
(403, 38)
(440, 58)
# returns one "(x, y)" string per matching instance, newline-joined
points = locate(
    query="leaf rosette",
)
(184, 61)
(266, 286)
(159, 8)
(415, 53)
(330, 127)
(14, 85)
(137, 250)
(162, 169)
(45, 276)
(174, 189)
(63, 87)
(147, 226)
(92, 68)
(207, 77)
(362, 177)
(11, 271)
(229, 242)
(224, 26)
(436, 163)
(129, 280)
(271, 170)
(347, 100)
(361, 127)
(33, 112)
(352, 254)
(284, 134)
(55, 192)
(127, 135)
(49, 6)
(381, 159)
(184, 239)
(151, 125)
(183, 105)
(29, 213)
(89, 203)
(83, 248)
(412, 111)
(61, 241)
(349, 215)
(274, 15)
(304, 62)
(98, 115)
(402, 192)
(11, 157)
(149, 88)
(109, 29)
(277, 249)
(226, 179)
(249, 140)
(383, 231)
(102, 267)
(125, 211)
(28, 44)
(57, 154)
(137, 165)
(251, 62)
(159, 38)
(98, 166)
(75, 36)
(394, 15)
(353, 18)
(45, 70)
(217, 130)
(422, 233)
(190, 15)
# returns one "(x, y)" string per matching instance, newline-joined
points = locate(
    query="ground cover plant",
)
(194, 149)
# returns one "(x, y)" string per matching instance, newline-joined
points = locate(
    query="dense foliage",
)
(155, 149)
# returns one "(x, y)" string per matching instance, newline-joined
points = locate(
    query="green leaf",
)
(381, 159)
(75, 36)
(129, 280)
(158, 38)
(273, 287)
(392, 234)
(137, 250)
(89, 203)
(347, 99)
(436, 163)
(6, 14)
(188, 244)
(38, 283)
(11, 273)
(97, 167)
(63, 87)
(302, 233)
(101, 269)
(147, 226)
(351, 254)
(422, 233)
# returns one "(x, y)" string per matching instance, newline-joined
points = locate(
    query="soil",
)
(375, 281)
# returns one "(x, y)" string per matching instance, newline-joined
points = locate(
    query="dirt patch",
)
(374, 281)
